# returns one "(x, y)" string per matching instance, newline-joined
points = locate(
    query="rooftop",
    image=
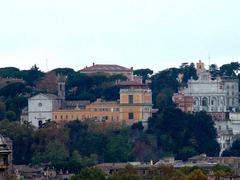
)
(105, 67)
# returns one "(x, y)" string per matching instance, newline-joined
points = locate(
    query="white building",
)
(40, 108)
(212, 95)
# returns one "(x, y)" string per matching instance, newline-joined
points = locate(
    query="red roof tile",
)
(105, 67)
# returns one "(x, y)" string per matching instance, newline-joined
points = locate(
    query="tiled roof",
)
(105, 67)
(76, 103)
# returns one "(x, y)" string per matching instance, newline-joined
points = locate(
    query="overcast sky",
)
(141, 33)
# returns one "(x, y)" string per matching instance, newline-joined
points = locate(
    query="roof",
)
(132, 83)
(27, 169)
(76, 103)
(102, 102)
(49, 96)
(105, 68)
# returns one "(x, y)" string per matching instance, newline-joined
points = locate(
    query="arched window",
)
(204, 101)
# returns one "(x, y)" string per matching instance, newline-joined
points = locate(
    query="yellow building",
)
(135, 105)
(99, 111)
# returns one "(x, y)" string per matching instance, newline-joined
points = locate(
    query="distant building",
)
(5, 151)
(185, 103)
(135, 105)
(219, 97)
(201, 161)
(40, 108)
(210, 95)
(99, 111)
(110, 69)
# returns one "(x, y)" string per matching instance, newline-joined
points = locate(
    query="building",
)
(135, 105)
(210, 95)
(201, 161)
(231, 87)
(99, 111)
(185, 103)
(40, 108)
(5, 151)
(110, 69)
(219, 97)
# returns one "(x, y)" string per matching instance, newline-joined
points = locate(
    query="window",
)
(66, 116)
(40, 104)
(130, 115)
(55, 116)
(40, 124)
(61, 117)
(130, 99)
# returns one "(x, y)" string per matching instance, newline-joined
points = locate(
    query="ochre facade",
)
(134, 105)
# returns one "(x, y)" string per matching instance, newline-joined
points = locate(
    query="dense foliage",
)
(178, 133)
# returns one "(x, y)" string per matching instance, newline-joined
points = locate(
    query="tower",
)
(200, 67)
(61, 87)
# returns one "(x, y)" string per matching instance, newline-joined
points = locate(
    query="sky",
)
(155, 34)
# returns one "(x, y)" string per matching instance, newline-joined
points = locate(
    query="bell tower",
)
(61, 87)
(200, 67)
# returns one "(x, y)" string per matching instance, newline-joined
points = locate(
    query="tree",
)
(206, 138)
(196, 175)
(11, 116)
(128, 173)
(230, 70)
(64, 71)
(184, 135)
(168, 80)
(12, 90)
(118, 147)
(9, 72)
(111, 93)
(92, 173)
(214, 70)
(220, 170)
(144, 73)
(16, 104)
(117, 77)
(22, 137)
(2, 110)
(32, 75)
(234, 150)
(188, 71)
(56, 153)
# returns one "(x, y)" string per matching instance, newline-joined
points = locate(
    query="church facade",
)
(210, 95)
